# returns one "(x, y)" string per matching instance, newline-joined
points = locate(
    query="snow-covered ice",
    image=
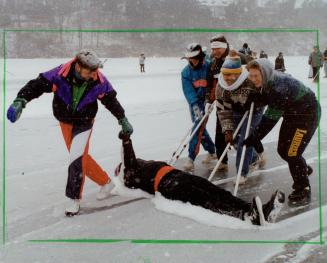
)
(36, 167)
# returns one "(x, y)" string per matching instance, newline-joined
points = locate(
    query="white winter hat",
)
(193, 50)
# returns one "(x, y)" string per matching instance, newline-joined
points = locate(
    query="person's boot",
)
(262, 161)
(209, 158)
(261, 214)
(272, 208)
(300, 196)
(73, 207)
(242, 180)
(189, 164)
(105, 191)
(223, 167)
(255, 215)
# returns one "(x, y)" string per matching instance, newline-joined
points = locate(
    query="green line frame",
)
(5, 33)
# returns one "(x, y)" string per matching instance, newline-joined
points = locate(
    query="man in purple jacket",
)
(77, 87)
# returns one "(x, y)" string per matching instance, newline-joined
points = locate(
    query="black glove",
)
(123, 136)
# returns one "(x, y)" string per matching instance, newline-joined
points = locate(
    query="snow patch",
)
(199, 214)
(122, 190)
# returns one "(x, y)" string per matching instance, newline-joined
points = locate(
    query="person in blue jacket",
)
(194, 82)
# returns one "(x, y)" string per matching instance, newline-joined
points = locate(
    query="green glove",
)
(15, 109)
(126, 126)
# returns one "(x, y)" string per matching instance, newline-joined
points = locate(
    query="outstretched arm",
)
(130, 161)
(109, 100)
(33, 89)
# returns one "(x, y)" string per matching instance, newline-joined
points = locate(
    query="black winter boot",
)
(272, 208)
(261, 214)
(300, 197)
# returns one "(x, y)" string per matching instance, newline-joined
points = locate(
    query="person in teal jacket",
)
(194, 85)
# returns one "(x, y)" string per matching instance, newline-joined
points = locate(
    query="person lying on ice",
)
(77, 86)
(174, 184)
(232, 94)
(288, 98)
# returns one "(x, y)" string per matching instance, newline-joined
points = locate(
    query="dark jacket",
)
(142, 175)
(138, 173)
(316, 59)
(284, 96)
(60, 81)
(279, 64)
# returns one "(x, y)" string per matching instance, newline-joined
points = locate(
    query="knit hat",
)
(232, 64)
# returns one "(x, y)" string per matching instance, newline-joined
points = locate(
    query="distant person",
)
(263, 54)
(245, 49)
(325, 62)
(316, 62)
(142, 62)
(194, 84)
(77, 86)
(279, 62)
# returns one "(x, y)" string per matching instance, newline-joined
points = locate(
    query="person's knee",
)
(282, 151)
(291, 159)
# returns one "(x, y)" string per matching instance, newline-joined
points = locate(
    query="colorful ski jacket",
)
(60, 81)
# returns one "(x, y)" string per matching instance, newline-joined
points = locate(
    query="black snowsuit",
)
(179, 185)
